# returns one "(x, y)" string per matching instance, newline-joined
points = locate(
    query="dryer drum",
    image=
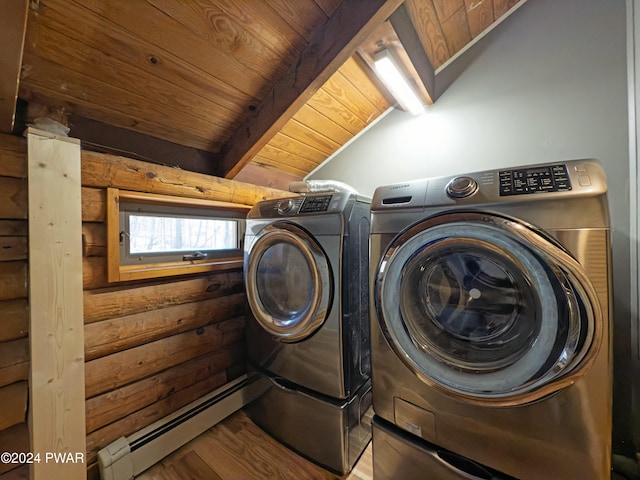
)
(487, 308)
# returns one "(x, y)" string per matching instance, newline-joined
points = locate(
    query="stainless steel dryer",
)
(491, 342)
(306, 278)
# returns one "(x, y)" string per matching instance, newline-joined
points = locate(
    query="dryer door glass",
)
(484, 307)
(288, 282)
(284, 282)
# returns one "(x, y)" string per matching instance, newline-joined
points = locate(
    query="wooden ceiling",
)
(259, 90)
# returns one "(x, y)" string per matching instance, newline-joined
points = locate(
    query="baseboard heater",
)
(127, 457)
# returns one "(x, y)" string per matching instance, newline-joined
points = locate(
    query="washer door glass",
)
(472, 305)
(288, 282)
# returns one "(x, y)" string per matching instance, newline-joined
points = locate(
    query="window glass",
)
(153, 233)
(156, 233)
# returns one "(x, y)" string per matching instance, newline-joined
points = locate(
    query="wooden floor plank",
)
(192, 467)
(253, 456)
(237, 448)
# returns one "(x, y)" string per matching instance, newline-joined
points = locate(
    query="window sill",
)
(138, 272)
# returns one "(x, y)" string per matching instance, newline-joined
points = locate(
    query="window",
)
(155, 235)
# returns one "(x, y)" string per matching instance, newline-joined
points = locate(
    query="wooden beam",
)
(326, 52)
(101, 137)
(13, 27)
(56, 397)
(410, 40)
(100, 170)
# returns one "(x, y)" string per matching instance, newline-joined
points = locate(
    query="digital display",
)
(316, 204)
(534, 180)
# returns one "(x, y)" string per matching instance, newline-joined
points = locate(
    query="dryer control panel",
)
(550, 178)
(303, 205)
(316, 204)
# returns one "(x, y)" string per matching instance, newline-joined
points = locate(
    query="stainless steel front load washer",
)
(491, 339)
(306, 278)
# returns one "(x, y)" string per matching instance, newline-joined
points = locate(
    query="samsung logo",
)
(396, 187)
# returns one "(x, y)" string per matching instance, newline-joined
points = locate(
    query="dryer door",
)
(288, 282)
(487, 308)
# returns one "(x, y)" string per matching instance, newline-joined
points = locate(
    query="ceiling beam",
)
(102, 137)
(404, 28)
(331, 46)
(13, 26)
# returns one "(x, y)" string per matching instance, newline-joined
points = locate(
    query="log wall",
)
(14, 305)
(151, 347)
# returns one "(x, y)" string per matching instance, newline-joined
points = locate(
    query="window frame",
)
(117, 271)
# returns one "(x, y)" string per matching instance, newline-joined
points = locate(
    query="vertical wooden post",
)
(56, 406)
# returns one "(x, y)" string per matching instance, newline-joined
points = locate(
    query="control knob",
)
(286, 207)
(461, 187)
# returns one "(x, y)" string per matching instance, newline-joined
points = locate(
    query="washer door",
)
(288, 282)
(487, 308)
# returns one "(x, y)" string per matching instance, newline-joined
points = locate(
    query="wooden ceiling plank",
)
(285, 157)
(479, 15)
(358, 73)
(351, 98)
(314, 120)
(76, 56)
(303, 15)
(79, 89)
(296, 148)
(425, 20)
(282, 167)
(456, 31)
(446, 8)
(291, 168)
(13, 25)
(98, 33)
(203, 17)
(324, 102)
(312, 137)
(232, 54)
(327, 51)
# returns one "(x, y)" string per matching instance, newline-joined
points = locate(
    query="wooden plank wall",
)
(151, 347)
(14, 308)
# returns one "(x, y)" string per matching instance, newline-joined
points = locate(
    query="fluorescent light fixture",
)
(391, 75)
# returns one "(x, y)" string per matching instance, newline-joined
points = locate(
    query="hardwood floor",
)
(237, 449)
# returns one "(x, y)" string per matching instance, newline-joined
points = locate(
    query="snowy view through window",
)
(154, 234)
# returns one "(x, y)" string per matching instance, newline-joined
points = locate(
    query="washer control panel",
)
(552, 178)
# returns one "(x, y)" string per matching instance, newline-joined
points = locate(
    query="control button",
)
(581, 168)
(584, 180)
(461, 187)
